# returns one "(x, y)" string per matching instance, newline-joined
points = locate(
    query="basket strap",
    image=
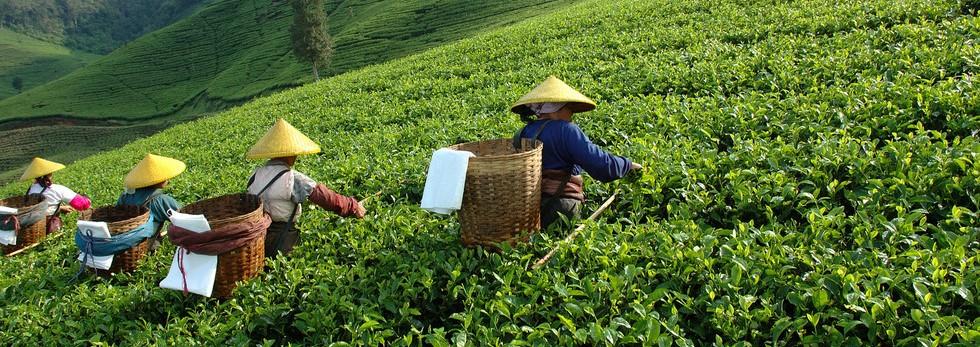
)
(267, 185)
(251, 179)
(146, 204)
(517, 138)
(517, 146)
(289, 223)
(564, 181)
(518, 135)
(149, 199)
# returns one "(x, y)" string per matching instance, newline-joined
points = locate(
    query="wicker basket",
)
(502, 194)
(28, 234)
(121, 219)
(242, 263)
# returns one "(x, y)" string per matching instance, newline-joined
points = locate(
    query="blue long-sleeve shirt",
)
(158, 207)
(566, 147)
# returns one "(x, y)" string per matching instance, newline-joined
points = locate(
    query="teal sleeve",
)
(160, 206)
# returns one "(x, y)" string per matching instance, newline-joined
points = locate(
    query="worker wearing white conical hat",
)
(145, 185)
(282, 189)
(567, 150)
(60, 199)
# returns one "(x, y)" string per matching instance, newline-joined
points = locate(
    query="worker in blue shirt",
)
(548, 110)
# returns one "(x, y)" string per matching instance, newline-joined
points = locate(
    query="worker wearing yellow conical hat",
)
(548, 111)
(283, 189)
(56, 195)
(144, 187)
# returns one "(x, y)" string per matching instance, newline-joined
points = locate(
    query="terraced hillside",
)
(812, 178)
(35, 62)
(231, 51)
(95, 26)
(66, 141)
(228, 53)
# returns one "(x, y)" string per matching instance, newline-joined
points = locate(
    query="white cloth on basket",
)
(199, 270)
(7, 237)
(100, 230)
(445, 180)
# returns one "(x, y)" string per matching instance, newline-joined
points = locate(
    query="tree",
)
(18, 83)
(311, 42)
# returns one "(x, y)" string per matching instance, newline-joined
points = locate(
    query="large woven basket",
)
(121, 219)
(242, 263)
(28, 234)
(502, 194)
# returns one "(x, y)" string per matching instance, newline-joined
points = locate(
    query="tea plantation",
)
(231, 51)
(811, 178)
(35, 62)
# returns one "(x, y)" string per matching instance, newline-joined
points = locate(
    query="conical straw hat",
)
(282, 140)
(554, 90)
(153, 169)
(40, 167)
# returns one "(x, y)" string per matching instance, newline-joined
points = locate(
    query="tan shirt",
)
(287, 192)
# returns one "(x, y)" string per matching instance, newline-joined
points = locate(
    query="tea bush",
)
(811, 179)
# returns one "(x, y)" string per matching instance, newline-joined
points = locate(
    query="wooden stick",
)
(371, 196)
(22, 250)
(544, 260)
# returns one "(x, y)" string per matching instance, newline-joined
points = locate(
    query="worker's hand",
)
(359, 210)
(636, 167)
(65, 209)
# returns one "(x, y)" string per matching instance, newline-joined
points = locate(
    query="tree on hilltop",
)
(18, 83)
(311, 42)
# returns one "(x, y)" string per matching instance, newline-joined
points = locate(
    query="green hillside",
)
(65, 141)
(224, 55)
(812, 179)
(35, 62)
(97, 26)
(231, 51)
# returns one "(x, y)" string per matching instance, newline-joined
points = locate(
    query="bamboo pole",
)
(46, 238)
(544, 260)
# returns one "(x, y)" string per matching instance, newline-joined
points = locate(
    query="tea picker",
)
(506, 189)
(567, 152)
(117, 238)
(145, 185)
(60, 199)
(283, 189)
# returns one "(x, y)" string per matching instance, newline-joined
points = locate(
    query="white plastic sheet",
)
(191, 271)
(97, 229)
(445, 181)
(7, 237)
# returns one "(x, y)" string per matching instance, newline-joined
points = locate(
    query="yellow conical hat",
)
(153, 169)
(554, 90)
(40, 167)
(282, 140)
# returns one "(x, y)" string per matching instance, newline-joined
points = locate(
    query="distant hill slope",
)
(231, 51)
(34, 61)
(97, 26)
